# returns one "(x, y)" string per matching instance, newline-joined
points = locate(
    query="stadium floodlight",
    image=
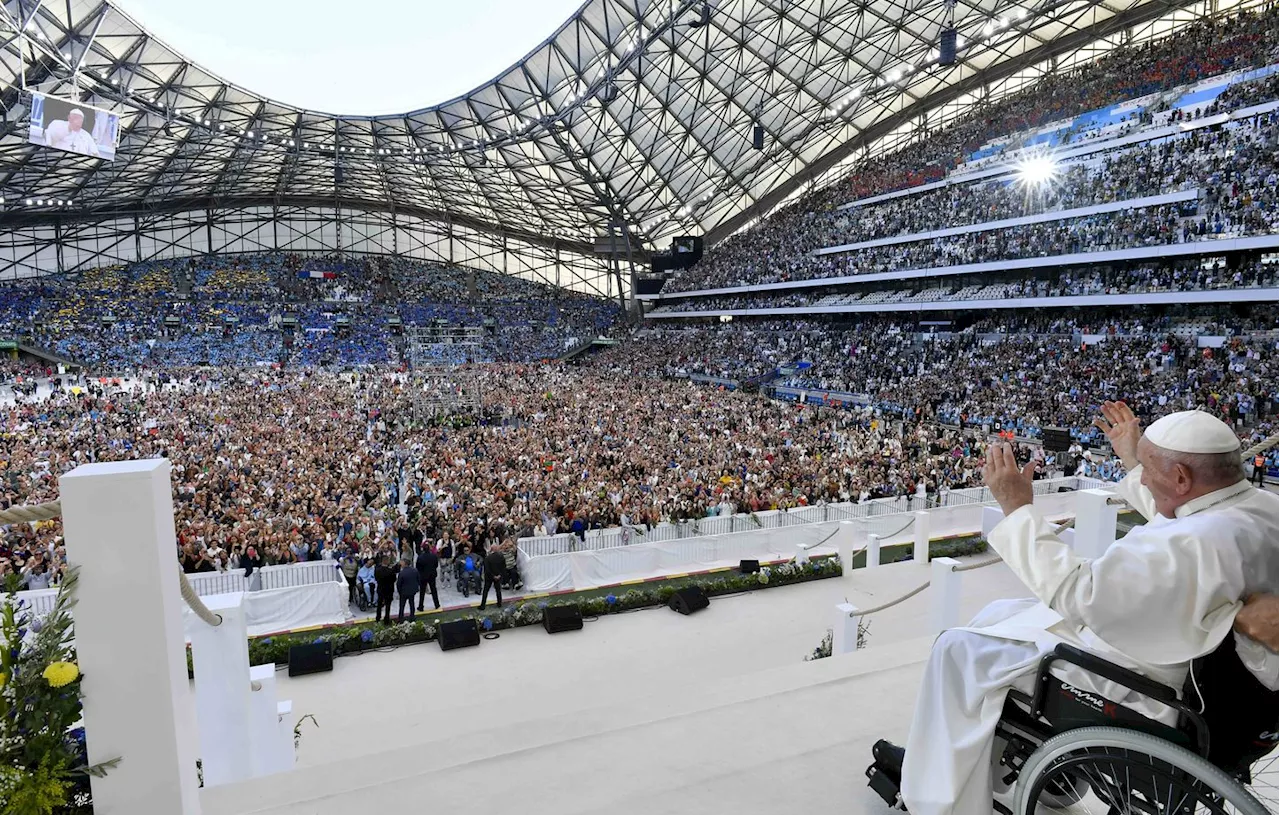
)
(249, 134)
(39, 202)
(1037, 170)
(28, 202)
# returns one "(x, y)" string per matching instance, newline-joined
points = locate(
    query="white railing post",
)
(844, 635)
(844, 545)
(118, 521)
(272, 749)
(991, 516)
(220, 662)
(944, 591)
(1095, 523)
(920, 536)
(873, 550)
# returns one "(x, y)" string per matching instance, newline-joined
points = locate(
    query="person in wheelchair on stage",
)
(1164, 595)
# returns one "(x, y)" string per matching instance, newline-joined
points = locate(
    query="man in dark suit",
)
(427, 566)
(407, 584)
(495, 567)
(385, 577)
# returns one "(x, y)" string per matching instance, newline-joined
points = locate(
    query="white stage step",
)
(643, 712)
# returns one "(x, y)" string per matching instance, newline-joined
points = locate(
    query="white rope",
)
(977, 564)
(33, 513)
(862, 612)
(193, 600)
(53, 509)
(824, 540)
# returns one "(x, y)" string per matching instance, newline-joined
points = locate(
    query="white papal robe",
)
(1166, 593)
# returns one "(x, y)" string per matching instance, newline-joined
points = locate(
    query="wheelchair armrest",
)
(1097, 665)
(1122, 676)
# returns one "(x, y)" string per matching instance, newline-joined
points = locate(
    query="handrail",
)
(53, 509)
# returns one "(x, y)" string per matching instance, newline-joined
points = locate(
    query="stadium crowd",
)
(1142, 278)
(232, 311)
(281, 396)
(1233, 166)
(1204, 49)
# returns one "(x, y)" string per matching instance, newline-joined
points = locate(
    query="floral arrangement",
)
(372, 636)
(824, 648)
(44, 767)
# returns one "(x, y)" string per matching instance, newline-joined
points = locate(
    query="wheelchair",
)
(1065, 749)
(468, 582)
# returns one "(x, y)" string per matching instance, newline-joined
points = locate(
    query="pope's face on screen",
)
(75, 121)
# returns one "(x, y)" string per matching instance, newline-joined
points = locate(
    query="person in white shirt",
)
(1165, 594)
(75, 138)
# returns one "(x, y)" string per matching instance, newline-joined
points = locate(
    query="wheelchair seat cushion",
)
(1239, 710)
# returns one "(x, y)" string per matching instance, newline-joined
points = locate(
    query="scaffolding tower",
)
(445, 375)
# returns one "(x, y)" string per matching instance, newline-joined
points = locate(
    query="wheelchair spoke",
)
(1263, 784)
(1108, 780)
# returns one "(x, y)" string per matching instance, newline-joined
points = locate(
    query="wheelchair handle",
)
(1132, 680)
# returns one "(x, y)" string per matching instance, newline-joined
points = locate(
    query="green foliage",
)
(43, 765)
(351, 638)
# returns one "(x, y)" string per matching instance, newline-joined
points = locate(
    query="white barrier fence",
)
(870, 511)
(776, 535)
(287, 575)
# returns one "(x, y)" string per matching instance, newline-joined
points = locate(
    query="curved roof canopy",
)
(631, 111)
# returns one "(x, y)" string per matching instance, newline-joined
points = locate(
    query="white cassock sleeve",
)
(1155, 595)
(1139, 497)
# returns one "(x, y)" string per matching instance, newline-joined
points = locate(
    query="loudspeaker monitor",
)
(1056, 439)
(947, 47)
(562, 618)
(757, 137)
(688, 600)
(749, 566)
(316, 657)
(458, 634)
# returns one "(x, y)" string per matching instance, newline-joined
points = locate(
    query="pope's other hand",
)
(1009, 485)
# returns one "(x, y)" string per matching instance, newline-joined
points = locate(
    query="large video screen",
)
(73, 127)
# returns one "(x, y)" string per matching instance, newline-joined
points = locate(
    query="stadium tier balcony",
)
(1159, 185)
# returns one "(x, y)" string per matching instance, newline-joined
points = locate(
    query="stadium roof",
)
(632, 110)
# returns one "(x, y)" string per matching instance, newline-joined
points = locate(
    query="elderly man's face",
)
(75, 122)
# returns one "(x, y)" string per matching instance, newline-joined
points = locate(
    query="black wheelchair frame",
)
(1224, 689)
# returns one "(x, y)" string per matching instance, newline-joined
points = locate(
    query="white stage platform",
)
(638, 713)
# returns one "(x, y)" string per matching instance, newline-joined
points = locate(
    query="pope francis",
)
(1165, 594)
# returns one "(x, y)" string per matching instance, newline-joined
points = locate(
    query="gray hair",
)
(1222, 469)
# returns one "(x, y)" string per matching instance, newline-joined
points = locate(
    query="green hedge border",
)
(351, 638)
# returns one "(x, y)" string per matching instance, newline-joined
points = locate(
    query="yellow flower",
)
(61, 673)
(3, 679)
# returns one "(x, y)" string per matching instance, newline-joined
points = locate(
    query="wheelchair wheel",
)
(1263, 782)
(1126, 772)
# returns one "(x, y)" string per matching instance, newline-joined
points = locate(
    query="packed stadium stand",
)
(453, 344)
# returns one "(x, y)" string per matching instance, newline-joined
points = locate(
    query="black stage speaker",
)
(688, 600)
(749, 566)
(1057, 439)
(757, 137)
(562, 618)
(947, 47)
(458, 634)
(314, 658)
(338, 175)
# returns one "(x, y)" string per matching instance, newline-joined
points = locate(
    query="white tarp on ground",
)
(592, 568)
(273, 610)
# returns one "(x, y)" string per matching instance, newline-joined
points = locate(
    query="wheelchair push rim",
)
(1127, 772)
